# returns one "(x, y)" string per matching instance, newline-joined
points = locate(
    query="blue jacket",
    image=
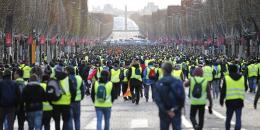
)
(169, 94)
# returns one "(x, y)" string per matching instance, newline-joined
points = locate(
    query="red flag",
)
(62, 41)
(8, 39)
(30, 39)
(42, 39)
(53, 40)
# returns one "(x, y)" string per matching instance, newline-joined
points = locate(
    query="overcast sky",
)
(133, 5)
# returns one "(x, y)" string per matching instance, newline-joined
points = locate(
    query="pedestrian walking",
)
(33, 96)
(233, 92)
(103, 95)
(9, 100)
(199, 92)
(169, 97)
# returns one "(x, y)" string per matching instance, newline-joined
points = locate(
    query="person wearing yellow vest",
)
(47, 107)
(135, 76)
(103, 96)
(252, 71)
(77, 83)
(208, 72)
(216, 79)
(26, 72)
(124, 80)
(199, 92)
(233, 92)
(177, 72)
(62, 106)
(115, 78)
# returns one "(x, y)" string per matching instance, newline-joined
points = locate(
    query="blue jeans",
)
(175, 121)
(100, 112)
(75, 115)
(34, 120)
(215, 88)
(229, 115)
(252, 84)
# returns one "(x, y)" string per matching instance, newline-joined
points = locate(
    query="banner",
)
(53, 40)
(62, 41)
(42, 39)
(30, 39)
(8, 39)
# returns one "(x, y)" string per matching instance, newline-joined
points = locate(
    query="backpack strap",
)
(197, 82)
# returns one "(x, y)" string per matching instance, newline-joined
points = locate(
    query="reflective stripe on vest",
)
(115, 76)
(79, 83)
(46, 105)
(134, 76)
(203, 99)
(52, 73)
(108, 102)
(66, 96)
(177, 74)
(235, 89)
(207, 73)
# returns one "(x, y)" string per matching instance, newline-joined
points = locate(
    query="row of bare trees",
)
(48, 17)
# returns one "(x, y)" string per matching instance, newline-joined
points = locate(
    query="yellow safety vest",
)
(252, 70)
(203, 99)
(160, 73)
(125, 75)
(115, 76)
(52, 72)
(207, 73)
(78, 92)
(99, 70)
(108, 102)
(177, 74)
(66, 96)
(27, 72)
(218, 73)
(134, 76)
(46, 104)
(235, 89)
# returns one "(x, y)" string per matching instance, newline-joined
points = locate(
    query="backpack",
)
(197, 90)
(152, 74)
(101, 93)
(137, 71)
(53, 90)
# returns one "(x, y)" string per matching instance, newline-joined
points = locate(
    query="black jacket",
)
(9, 93)
(33, 96)
(236, 103)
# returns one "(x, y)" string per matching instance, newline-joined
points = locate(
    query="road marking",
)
(92, 125)
(185, 122)
(139, 123)
(219, 115)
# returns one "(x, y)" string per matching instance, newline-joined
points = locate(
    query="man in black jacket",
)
(33, 96)
(9, 99)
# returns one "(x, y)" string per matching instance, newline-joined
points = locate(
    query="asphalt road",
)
(128, 116)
